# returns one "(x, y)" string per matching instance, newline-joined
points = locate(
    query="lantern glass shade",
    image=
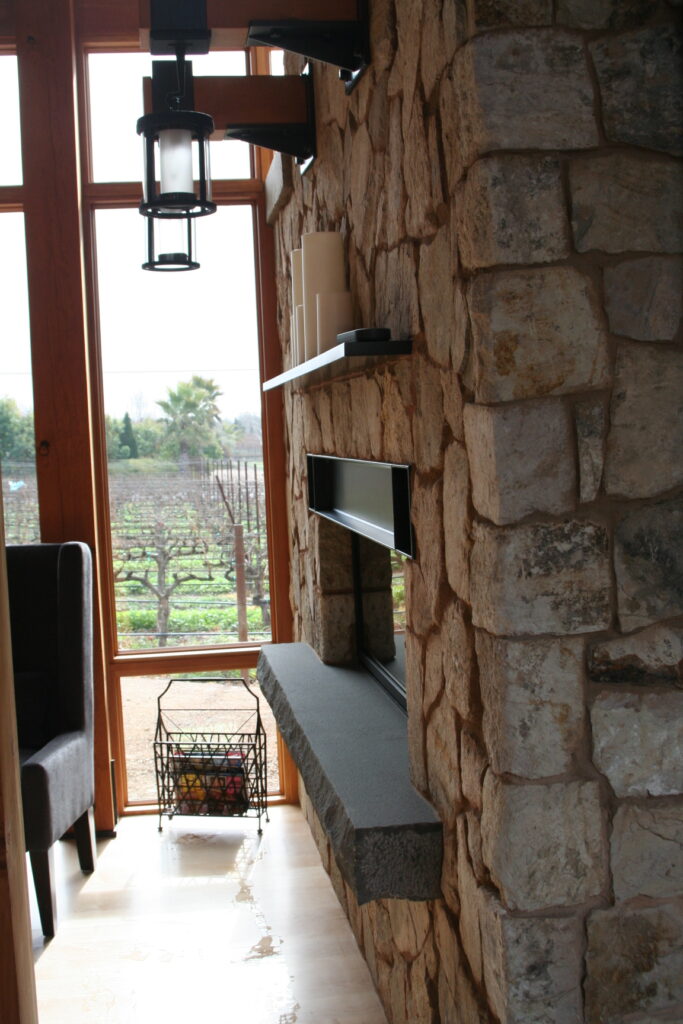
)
(176, 148)
(175, 161)
(170, 244)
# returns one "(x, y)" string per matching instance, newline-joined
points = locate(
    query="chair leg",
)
(85, 841)
(42, 865)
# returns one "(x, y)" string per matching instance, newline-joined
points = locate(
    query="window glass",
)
(17, 446)
(201, 691)
(115, 82)
(277, 62)
(10, 150)
(182, 405)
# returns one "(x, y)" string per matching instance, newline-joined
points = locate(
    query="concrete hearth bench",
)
(349, 742)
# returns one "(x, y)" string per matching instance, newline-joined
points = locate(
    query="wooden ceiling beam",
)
(234, 101)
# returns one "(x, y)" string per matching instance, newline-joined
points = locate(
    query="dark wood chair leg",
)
(85, 841)
(42, 865)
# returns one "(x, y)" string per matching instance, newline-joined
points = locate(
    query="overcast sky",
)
(157, 328)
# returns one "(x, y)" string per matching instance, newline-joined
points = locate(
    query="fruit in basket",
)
(189, 786)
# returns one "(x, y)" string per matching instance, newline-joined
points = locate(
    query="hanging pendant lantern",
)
(176, 144)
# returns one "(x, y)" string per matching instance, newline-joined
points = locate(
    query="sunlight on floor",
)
(203, 922)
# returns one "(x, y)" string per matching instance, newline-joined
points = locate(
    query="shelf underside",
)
(338, 352)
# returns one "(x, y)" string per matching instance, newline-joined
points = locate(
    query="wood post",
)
(241, 583)
(46, 48)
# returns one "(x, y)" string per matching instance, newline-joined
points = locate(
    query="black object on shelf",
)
(360, 334)
(365, 341)
(218, 772)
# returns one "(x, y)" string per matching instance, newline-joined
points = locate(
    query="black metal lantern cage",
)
(176, 204)
(180, 256)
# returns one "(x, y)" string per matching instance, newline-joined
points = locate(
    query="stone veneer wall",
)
(505, 178)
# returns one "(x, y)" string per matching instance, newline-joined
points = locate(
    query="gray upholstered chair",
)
(50, 598)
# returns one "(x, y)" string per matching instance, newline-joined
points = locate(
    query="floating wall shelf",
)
(343, 350)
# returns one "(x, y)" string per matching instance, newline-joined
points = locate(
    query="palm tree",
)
(191, 416)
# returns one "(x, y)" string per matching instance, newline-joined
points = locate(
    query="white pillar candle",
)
(297, 279)
(335, 314)
(323, 271)
(175, 160)
(300, 335)
(293, 354)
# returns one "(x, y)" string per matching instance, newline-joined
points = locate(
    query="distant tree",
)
(250, 436)
(113, 428)
(191, 417)
(17, 442)
(149, 435)
(249, 423)
(127, 438)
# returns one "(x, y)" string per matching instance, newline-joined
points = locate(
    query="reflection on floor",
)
(204, 922)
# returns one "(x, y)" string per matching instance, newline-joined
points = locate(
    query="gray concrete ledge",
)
(349, 741)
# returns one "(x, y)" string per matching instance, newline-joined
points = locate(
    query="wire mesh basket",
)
(211, 761)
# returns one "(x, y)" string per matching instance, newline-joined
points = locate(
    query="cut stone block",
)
(611, 14)
(544, 845)
(654, 655)
(532, 966)
(622, 202)
(648, 559)
(472, 765)
(645, 441)
(634, 963)
(535, 332)
(641, 87)
(456, 516)
(644, 297)
(521, 459)
(532, 692)
(523, 90)
(590, 441)
(647, 851)
(458, 661)
(443, 319)
(638, 742)
(540, 578)
(510, 209)
(501, 13)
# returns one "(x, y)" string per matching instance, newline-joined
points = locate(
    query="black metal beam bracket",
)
(345, 44)
(296, 139)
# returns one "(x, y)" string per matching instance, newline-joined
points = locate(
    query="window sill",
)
(349, 742)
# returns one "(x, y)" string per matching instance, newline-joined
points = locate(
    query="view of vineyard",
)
(190, 555)
(187, 524)
(188, 534)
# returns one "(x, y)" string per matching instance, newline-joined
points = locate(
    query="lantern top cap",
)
(200, 125)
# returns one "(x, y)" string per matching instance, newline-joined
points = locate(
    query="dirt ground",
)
(196, 704)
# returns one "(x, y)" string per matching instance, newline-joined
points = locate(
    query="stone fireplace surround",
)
(508, 184)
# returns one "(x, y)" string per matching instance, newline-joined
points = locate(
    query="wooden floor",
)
(204, 922)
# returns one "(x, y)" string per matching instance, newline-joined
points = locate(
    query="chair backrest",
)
(50, 598)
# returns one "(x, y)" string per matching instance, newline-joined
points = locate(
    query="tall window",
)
(182, 406)
(17, 446)
(181, 398)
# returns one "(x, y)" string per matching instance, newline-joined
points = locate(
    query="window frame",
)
(85, 512)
